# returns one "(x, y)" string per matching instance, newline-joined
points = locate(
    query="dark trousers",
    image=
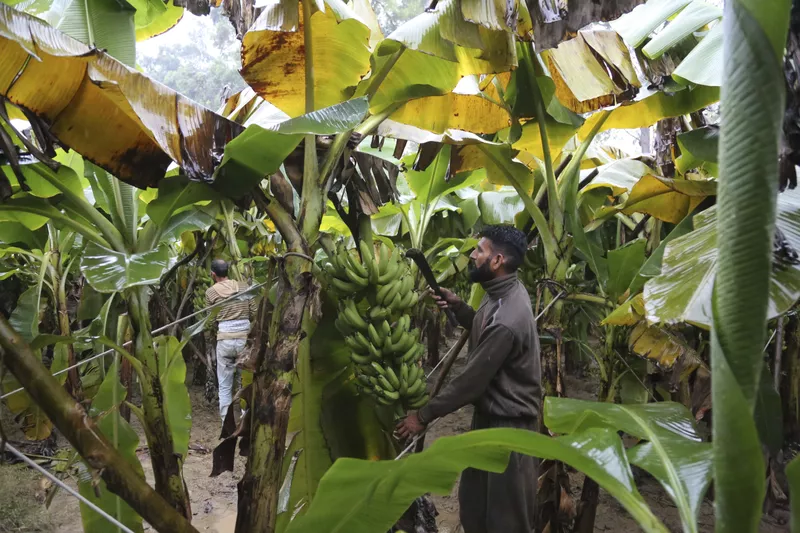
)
(500, 503)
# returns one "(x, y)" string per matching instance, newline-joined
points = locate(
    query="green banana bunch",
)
(375, 322)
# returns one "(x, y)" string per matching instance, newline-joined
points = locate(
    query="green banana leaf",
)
(754, 276)
(332, 120)
(691, 18)
(172, 376)
(199, 218)
(27, 314)
(682, 292)
(40, 187)
(623, 265)
(110, 271)
(673, 452)
(500, 207)
(637, 25)
(105, 410)
(703, 65)
(328, 420)
(105, 24)
(698, 148)
(177, 194)
(360, 496)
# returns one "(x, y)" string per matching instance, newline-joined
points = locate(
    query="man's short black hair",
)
(509, 241)
(220, 268)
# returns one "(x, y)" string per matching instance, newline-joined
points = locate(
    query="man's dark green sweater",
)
(502, 377)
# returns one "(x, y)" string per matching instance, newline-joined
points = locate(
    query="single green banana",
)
(355, 346)
(407, 355)
(355, 278)
(383, 254)
(352, 317)
(397, 333)
(382, 292)
(385, 385)
(422, 400)
(415, 387)
(362, 342)
(368, 259)
(357, 267)
(346, 287)
(391, 394)
(389, 295)
(374, 352)
(374, 337)
(392, 377)
(386, 329)
(360, 359)
(392, 270)
(379, 369)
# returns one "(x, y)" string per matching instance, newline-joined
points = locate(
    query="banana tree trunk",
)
(73, 380)
(167, 468)
(790, 384)
(294, 320)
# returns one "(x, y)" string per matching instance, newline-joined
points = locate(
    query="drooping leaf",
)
(110, 271)
(274, 55)
(464, 112)
(659, 345)
(40, 187)
(703, 65)
(366, 496)
(673, 453)
(172, 376)
(691, 18)
(582, 71)
(27, 315)
(153, 125)
(629, 313)
(189, 220)
(33, 421)
(154, 17)
(646, 112)
(332, 120)
(666, 199)
(635, 26)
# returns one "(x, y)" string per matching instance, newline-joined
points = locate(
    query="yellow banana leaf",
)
(646, 112)
(113, 115)
(440, 47)
(666, 199)
(629, 313)
(658, 345)
(580, 68)
(274, 55)
(466, 112)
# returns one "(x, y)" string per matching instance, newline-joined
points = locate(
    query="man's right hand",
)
(447, 299)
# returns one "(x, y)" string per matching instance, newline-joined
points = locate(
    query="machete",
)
(419, 258)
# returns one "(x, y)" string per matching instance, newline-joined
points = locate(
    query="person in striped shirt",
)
(233, 326)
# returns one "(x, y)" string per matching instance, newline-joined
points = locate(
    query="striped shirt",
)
(235, 310)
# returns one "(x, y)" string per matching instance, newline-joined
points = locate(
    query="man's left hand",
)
(409, 426)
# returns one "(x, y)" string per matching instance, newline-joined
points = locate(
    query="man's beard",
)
(479, 274)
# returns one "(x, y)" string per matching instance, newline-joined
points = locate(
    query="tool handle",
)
(419, 258)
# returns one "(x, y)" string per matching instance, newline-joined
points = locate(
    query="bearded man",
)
(502, 380)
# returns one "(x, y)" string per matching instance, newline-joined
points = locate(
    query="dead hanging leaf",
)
(274, 55)
(592, 71)
(115, 116)
(555, 21)
(658, 345)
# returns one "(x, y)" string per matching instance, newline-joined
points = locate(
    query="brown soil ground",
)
(22, 492)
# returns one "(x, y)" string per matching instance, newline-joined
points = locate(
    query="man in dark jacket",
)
(502, 379)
